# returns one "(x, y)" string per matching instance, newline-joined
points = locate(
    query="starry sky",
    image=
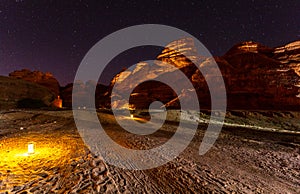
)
(53, 36)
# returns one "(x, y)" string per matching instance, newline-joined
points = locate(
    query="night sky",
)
(54, 36)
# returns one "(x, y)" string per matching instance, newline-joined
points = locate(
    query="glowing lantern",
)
(30, 148)
(57, 102)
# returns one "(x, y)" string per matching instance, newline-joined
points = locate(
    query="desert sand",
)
(256, 152)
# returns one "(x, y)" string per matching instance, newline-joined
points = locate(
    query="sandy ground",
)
(243, 160)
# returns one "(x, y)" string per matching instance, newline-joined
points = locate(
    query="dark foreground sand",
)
(243, 160)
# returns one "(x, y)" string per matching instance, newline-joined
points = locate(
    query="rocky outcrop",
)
(180, 53)
(16, 93)
(45, 79)
(289, 56)
(249, 47)
(255, 76)
(143, 92)
(258, 80)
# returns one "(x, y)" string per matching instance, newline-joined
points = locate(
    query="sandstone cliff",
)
(255, 76)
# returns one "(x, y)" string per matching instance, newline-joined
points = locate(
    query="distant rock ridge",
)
(83, 92)
(45, 79)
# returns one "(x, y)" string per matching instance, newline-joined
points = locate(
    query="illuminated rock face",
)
(171, 59)
(250, 47)
(179, 52)
(256, 77)
(289, 56)
(45, 79)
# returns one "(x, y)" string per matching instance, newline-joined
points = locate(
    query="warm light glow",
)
(57, 102)
(30, 148)
(49, 151)
(131, 116)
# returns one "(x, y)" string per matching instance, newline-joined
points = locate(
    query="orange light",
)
(57, 102)
(131, 116)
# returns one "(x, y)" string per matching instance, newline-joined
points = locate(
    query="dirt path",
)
(240, 161)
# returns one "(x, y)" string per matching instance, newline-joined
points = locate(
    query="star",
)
(61, 34)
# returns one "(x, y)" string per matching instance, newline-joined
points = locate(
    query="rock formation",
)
(258, 80)
(255, 76)
(83, 94)
(289, 56)
(16, 93)
(45, 79)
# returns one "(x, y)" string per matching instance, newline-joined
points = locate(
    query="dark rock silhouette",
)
(83, 93)
(45, 79)
(16, 93)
